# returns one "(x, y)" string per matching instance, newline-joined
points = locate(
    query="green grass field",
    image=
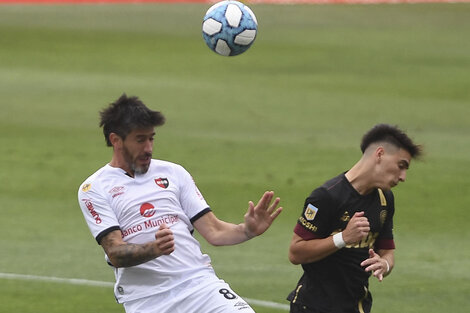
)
(286, 116)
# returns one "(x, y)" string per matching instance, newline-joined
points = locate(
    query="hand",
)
(375, 264)
(357, 229)
(260, 217)
(164, 240)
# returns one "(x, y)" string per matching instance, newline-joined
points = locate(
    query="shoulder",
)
(336, 183)
(332, 194)
(331, 187)
(104, 176)
(162, 164)
(90, 181)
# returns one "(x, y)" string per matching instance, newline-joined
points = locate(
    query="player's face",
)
(137, 149)
(394, 165)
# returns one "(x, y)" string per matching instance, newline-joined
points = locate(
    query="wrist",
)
(388, 266)
(338, 240)
(248, 234)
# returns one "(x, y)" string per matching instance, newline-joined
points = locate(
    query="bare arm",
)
(218, 232)
(256, 221)
(123, 254)
(307, 251)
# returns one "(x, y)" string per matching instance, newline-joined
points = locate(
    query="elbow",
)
(294, 258)
(215, 243)
(114, 261)
(297, 257)
(295, 254)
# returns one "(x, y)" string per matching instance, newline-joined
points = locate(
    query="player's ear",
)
(115, 140)
(379, 152)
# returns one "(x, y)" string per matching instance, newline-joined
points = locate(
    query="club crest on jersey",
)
(162, 182)
(310, 212)
(383, 217)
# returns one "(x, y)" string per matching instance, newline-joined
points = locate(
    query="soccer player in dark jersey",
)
(344, 234)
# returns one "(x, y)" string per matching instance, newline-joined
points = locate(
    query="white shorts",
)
(201, 296)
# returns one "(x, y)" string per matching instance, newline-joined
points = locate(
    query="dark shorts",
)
(364, 306)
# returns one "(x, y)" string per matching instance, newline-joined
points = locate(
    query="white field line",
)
(87, 282)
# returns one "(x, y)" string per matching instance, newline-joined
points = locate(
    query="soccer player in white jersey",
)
(143, 212)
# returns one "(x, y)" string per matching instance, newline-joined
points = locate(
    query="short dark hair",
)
(127, 114)
(393, 135)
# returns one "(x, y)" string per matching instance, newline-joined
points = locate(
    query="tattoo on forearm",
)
(128, 254)
(132, 254)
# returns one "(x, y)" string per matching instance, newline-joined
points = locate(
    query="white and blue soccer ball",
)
(229, 27)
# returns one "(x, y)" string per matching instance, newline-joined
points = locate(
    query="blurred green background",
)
(285, 116)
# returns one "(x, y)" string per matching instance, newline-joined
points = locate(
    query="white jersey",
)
(112, 200)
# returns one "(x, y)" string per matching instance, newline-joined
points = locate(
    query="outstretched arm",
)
(257, 220)
(123, 254)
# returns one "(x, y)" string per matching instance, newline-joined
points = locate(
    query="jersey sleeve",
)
(99, 216)
(192, 202)
(314, 222)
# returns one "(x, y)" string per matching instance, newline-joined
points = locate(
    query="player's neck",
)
(359, 176)
(117, 163)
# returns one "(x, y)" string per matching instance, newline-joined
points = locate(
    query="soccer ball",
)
(229, 28)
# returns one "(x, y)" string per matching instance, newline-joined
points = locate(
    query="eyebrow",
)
(144, 135)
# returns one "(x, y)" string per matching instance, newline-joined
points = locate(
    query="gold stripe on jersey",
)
(383, 200)
(296, 293)
(360, 307)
